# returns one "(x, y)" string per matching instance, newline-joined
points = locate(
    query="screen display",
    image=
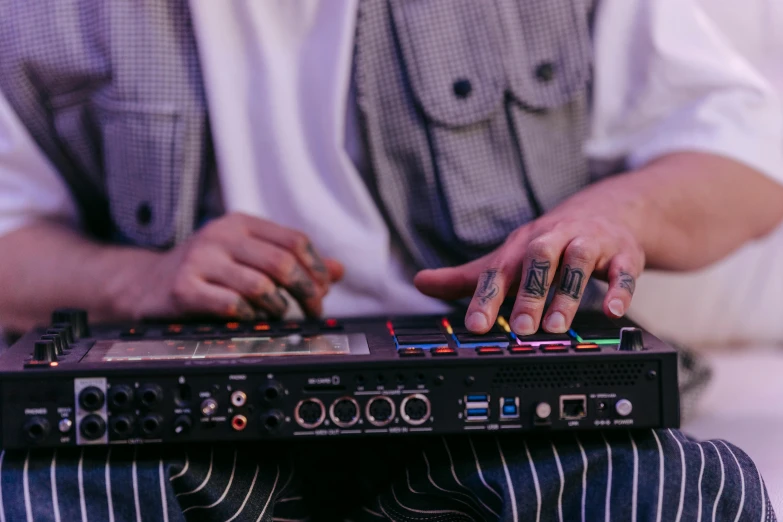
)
(262, 346)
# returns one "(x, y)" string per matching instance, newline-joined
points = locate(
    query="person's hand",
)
(234, 268)
(567, 246)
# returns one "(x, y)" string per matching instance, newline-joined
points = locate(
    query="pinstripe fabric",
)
(638, 476)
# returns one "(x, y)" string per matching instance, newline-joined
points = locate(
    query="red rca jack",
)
(239, 422)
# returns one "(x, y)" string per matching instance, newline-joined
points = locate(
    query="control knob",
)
(631, 340)
(44, 352)
(182, 425)
(65, 330)
(209, 407)
(57, 340)
(76, 318)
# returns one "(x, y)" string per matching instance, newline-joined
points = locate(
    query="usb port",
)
(477, 397)
(477, 414)
(509, 408)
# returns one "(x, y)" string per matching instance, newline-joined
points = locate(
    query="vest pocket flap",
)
(452, 57)
(141, 151)
(550, 50)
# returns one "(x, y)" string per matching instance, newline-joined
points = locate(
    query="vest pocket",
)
(472, 66)
(141, 157)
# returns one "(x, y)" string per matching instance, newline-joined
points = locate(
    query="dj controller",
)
(76, 384)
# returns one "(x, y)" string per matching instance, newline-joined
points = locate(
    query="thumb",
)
(335, 268)
(451, 283)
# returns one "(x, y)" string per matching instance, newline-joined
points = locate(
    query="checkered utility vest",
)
(473, 113)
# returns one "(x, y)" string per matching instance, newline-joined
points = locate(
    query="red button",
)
(261, 327)
(554, 348)
(522, 349)
(443, 350)
(489, 350)
(410, 352)
(232, 326)
(587, 347)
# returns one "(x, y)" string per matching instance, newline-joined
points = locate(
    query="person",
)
(178, 158)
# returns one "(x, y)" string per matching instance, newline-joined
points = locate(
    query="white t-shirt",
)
(277, 76)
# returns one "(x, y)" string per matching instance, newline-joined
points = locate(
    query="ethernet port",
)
(573, 407)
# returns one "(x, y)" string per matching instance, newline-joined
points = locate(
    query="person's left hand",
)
(568, 244)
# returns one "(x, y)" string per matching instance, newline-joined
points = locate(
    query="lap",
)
(646, 475)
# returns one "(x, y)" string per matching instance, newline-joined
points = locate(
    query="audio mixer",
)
(75, 384)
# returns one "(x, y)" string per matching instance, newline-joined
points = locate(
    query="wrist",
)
(128, 273)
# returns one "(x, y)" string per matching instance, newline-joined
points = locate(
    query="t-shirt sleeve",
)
(30, 187)
(667, 80)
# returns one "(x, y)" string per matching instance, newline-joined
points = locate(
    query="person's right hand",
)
(234, 268)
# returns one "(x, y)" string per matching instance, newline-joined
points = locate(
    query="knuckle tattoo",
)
(571, 282)
(537, 278)
(627, 282)
(487, 288)
(300, 284)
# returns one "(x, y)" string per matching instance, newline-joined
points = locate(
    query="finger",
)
(491, 289)
(579, 261)
(451, 283)
(256, 288)
(294, 241)
(623, 272)
(200, 297)
(284, 269)
(542, 256)
(335, 268)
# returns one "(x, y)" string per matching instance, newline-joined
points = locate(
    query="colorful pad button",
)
(443, 351)
(489, 350)
(554, 348)
(411, 352)
(587, 347)
(421, 339)
(521, 349)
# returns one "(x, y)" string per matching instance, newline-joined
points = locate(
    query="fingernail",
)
(617, 307)
(523, 325)
(555, 323)
(476, 322)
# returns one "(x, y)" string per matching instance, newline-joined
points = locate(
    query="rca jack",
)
(238, 398)
(239, 422)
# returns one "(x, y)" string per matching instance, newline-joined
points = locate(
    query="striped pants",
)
(639, 475)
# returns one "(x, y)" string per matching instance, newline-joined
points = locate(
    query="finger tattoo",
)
(571, 282)
(317, 263)
(628, 282)
(243, 310)
(536, 278)
(274, 302)
(301, 285)
(487, 287)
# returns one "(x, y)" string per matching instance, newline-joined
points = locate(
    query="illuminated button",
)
(203, 329)
(486, 338)
(174, 329)
(133, 332)
(521, 349)
(489, 350)
(411, 352)
(261, 327)
(331, 324)
(232, 326)
(554, 348)
(291, 327)
(443, 350)
(587, 347)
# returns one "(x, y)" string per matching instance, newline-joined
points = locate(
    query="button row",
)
(439, 351)
(231, 328)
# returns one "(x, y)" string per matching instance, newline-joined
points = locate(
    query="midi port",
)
(415, 409)
(120, 397)
(238, 398)
(36, 429)
(573, 407)
(121, 426)
(150, 395)
(509, 408)
(150, 425)
(380, 411)
(239, 422)
(91, 398)
(310, 413)
(92, 427)
(344, 412)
